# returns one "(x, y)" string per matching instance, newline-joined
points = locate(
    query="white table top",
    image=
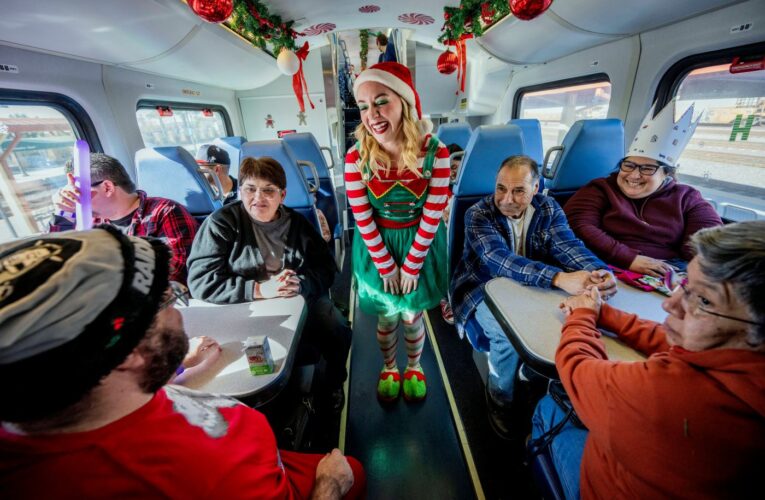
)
(532, 320)
(280, 319)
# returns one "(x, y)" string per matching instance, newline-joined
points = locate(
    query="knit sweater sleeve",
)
(363, 212)
(699, 214)
(438, 195)
(585, 212)
(642, 335)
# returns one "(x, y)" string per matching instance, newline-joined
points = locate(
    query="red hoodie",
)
(680, 424)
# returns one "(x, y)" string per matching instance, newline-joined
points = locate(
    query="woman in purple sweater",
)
(640, 217)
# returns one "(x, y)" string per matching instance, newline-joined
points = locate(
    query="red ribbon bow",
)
(461, 49)
(299, 84)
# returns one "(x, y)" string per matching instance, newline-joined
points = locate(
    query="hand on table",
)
(589, 299)
(650, 266)
(207, 350)
(604, 280)
(284, 284)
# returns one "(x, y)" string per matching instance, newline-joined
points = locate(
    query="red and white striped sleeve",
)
(363, 212)
(438, 195)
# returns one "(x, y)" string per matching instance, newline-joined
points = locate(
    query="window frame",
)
(567, 82)
(186, 106)
(71, 109)
(674, 76)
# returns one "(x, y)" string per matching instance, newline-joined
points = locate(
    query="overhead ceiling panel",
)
(212, 57)
(98, 30)
(537, 41)
(628, 17)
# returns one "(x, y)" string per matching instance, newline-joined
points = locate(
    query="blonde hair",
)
(377, 158)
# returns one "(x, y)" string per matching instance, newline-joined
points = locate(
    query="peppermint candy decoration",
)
(368, 9)
(318, 29)
(414, 18)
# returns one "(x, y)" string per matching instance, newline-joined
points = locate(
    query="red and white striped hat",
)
(396, 77)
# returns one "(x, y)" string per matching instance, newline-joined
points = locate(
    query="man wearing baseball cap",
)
(218, 160)
(88, 338)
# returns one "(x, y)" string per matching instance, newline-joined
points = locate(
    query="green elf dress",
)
(398, 219)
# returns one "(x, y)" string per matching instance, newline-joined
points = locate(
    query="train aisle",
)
(409, 450)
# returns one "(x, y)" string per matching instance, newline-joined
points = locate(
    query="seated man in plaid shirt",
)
(115, 200)
(522, 235)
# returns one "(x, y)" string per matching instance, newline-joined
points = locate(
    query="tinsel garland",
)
(364, 38)
(252, 20)
(472, 17)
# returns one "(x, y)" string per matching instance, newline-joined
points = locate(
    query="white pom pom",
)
(287, 62)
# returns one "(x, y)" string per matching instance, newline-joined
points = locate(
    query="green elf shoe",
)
(414, 385)
(388, 386)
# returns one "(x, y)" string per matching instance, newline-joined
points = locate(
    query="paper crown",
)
(661, 138)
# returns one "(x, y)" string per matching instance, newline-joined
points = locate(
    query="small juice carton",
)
(258, 354)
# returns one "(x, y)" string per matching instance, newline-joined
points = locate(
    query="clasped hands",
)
(399, 282)
(284, 284)
(588, 289)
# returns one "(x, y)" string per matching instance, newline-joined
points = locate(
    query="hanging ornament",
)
(447, 63)
(299, 85)
(269, 121)
(459, 44)
(487, 13)
(528, 9)
(287, 62)
(212, 11)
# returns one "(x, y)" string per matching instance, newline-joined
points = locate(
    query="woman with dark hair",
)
(257, 248)
(640, 218)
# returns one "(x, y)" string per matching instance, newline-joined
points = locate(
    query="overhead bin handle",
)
(549, 172)
(219, 195)
(312, 188)
(331, 157)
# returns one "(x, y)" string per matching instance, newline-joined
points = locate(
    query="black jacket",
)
(225, 261)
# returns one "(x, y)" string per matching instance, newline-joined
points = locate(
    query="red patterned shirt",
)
(158, 218)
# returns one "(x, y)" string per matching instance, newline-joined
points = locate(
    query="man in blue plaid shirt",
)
(524, 236)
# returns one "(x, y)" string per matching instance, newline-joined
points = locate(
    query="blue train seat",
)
(455, 133)
(532, 138)
(488, 146)
(306, 148)
(591, 149)
(154, 166)
(233, 146)
(299, 198)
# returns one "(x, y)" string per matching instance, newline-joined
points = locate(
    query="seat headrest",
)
(155, 167)
(232, 145)
(591, 149)
(455, 133)
(297, 189)
(488, 147)
(305, 147)
(532, 138)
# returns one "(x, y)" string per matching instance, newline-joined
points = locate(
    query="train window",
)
(725, 159)
(558, 105)
(185, 125)
(36, 140)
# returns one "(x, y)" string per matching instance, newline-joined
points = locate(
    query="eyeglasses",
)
(628, 166)
(268, 192)
(176, 293)
(675, 281)
(97, 183)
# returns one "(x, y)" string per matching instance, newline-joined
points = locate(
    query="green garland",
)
(252, 21)
(364, 38)
(468, 19)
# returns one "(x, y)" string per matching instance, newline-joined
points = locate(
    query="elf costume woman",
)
(397, 181)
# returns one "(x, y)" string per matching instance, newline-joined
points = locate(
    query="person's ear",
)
(134, 361)
(109, 187)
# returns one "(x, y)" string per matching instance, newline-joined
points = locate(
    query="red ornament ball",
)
(487, 13)
(212, 11)
(528, 9)
(447, 63)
